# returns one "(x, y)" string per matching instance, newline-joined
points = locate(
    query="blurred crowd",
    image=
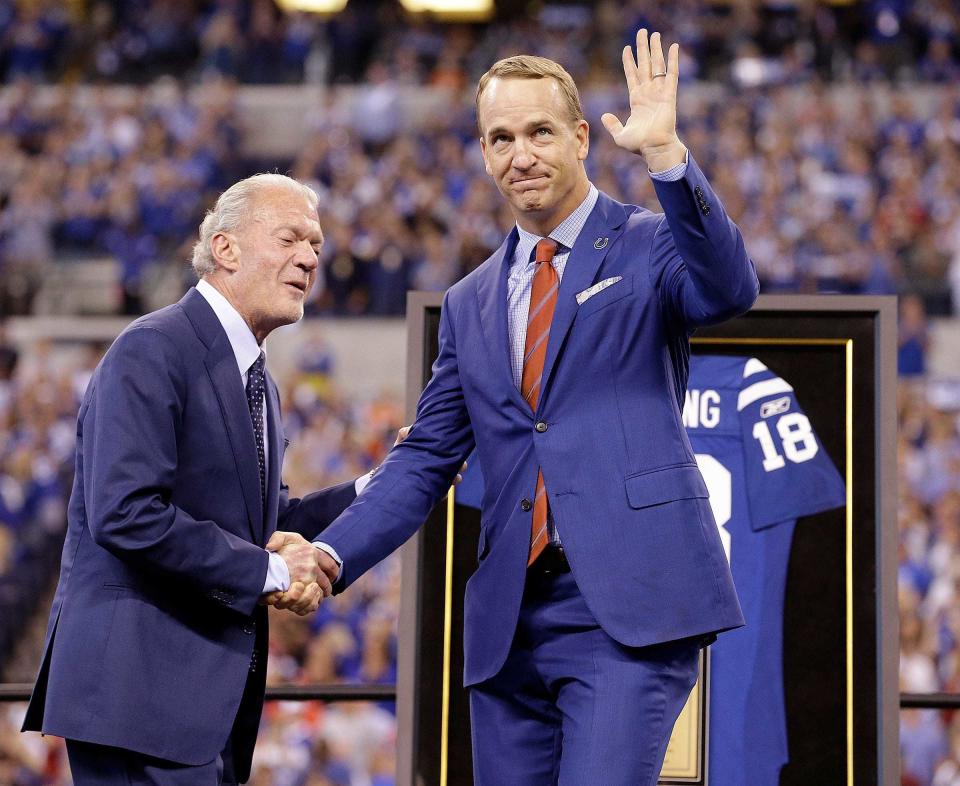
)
(835, 190)
(840, 186)
(127, 180)
(255, 42)
(928, 454)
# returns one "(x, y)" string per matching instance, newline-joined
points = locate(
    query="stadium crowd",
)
(836, 192)
(255, 42)
(839, 187)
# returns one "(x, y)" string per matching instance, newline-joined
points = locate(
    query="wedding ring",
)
(656, 75)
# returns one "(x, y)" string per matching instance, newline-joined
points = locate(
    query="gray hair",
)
(232, 208)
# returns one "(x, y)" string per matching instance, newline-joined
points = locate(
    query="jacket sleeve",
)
(415, 474)
(129, 431)
(697, 259)
(311, 514)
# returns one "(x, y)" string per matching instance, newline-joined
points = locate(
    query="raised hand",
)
(651, 129)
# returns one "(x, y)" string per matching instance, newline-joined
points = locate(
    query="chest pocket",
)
(605, 297)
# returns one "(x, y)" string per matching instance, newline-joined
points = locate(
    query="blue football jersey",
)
(764, 467)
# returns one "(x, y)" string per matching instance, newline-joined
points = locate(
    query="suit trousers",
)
(572, 706)
(103, 765)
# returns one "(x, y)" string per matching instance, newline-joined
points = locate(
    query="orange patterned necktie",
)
(543, 299)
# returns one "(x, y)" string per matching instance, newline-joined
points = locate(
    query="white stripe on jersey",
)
(753, 366)
(759, 390)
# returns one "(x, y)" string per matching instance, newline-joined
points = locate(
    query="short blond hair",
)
(533, 67)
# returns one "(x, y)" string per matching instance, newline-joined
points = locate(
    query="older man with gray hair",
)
(155, 658)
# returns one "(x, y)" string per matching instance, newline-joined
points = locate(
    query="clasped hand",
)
(312, 573)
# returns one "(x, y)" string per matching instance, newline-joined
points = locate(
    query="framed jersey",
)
(790, 412)
(764, 467)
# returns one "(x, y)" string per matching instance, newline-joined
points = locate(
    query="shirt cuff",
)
(674, 173)
(361, 483)
(278, 574)
(332, 552)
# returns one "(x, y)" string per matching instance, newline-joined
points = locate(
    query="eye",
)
(499, 138)
(543, 131)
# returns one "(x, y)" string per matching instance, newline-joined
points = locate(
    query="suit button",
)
(249, 627)
(541, 426)
(525, 505)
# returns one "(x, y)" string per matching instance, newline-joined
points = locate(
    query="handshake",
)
(312, 573)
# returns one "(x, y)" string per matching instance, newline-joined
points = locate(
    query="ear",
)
(225, 250)
(483, 152)
(583, 140)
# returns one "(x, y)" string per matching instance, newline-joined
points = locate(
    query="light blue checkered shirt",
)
(520, 280)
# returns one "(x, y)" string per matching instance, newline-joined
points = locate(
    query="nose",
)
(306, 258)
(523, 157)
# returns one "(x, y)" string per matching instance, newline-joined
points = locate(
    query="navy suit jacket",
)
(155, 618)
(623, 485)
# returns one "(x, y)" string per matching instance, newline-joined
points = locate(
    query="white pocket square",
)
(589, 292)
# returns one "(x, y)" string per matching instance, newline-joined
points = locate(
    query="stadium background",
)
(830, 129)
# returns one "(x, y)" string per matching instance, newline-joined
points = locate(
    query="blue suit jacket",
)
(624, 488)
(152, 628)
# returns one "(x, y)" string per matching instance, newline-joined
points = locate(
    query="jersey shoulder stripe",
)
(762, 389)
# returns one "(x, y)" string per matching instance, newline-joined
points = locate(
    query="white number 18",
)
(796, 435)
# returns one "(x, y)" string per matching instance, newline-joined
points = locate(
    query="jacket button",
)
(541, 426)
(249, 627)
(525, 505)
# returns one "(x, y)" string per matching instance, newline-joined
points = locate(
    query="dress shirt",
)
(246, 351)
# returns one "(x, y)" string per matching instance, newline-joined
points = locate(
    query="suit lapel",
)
(221, 365)
(492, 294)
(601, 231)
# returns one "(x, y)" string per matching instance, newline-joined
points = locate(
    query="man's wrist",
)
(332, 552)
(664, 157)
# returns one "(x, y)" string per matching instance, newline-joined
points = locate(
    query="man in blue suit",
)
(601, 572)
(155, 661)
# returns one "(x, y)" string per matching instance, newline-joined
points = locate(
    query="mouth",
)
(529, 182)
(298, 286)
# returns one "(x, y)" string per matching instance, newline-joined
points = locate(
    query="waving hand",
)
(651, 129)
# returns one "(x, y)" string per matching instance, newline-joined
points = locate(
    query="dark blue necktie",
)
(255, 388)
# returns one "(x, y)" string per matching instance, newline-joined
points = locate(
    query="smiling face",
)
(534, 150)
(268, 266)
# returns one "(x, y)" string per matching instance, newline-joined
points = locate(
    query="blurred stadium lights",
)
(459, 10)
(452, 10)
(312, 6)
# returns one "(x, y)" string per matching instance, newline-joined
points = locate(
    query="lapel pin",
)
(600, 242)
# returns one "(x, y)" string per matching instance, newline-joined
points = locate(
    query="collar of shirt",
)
(245, 347)
(565, 234)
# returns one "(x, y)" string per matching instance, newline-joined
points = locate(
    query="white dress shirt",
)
(246, 351)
